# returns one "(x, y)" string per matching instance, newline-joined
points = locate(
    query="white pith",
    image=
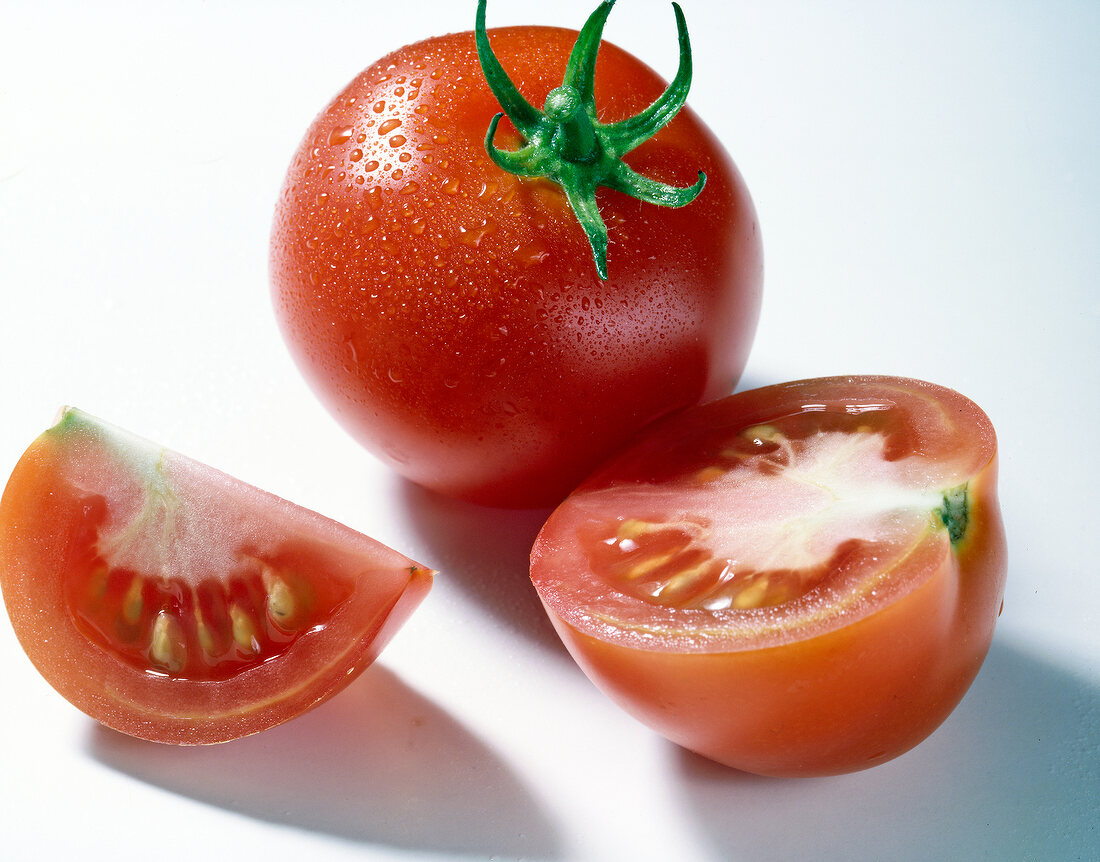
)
(171, 517)
(834, 487)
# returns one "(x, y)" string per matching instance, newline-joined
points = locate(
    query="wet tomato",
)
(449, 312)
(796, 580)
(177, 604)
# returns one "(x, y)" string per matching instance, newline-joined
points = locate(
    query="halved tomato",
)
(797, 580)
(174, 603)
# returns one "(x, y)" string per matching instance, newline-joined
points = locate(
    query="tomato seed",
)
(281, 604)
(752, 596)
(244, 631)
(167, 649)
(133, 602)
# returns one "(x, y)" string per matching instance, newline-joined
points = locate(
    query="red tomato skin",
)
(845, 700)
(450, 315)
(42, 526)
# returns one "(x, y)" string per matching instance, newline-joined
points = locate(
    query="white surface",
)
(927, 182)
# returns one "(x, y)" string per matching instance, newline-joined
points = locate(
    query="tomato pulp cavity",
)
(449, 313)
(177, 604)
(796, 580)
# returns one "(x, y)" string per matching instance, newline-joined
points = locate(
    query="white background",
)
(927, 183)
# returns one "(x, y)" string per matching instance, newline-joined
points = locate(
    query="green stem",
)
(574, 138)
(565, 143)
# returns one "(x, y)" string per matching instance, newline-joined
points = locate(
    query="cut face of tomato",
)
(801, 579)
(175, 603)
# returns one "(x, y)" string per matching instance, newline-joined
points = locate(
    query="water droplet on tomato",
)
(388, 126)
(473, 236)
(339, 135)
(397, 141)
(356, 155)
(351, 357)
(379, 106)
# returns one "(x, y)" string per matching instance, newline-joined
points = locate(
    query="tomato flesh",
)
(172, 602)
(797, 580)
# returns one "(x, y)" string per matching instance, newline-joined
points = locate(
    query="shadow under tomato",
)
(486, 552)
(1013, 774)
(378, 764)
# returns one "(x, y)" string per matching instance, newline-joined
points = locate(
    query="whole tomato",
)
(449, 312)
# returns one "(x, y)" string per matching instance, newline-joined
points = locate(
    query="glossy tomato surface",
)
(449, 314)
(797, 580)
(174, 603)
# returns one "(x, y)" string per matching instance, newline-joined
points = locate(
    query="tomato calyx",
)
(955, 513)
(567, 144)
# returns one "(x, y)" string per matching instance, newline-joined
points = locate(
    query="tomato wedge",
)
(177, 604)
(798, 580)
